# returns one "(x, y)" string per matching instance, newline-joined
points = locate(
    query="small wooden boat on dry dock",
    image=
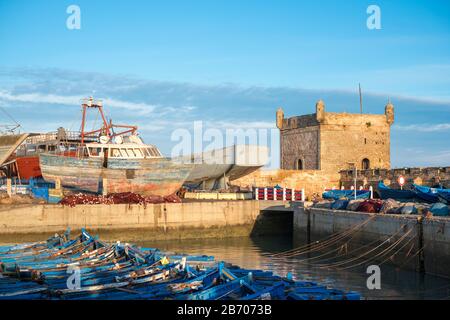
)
(85, 268)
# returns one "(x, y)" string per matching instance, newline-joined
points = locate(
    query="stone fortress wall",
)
(331, 141)
(319, 151)
(421, 176)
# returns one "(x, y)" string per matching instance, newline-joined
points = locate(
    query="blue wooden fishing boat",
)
(433, 195)
(444, 197)
(399, 195)
(346, 194)
(122, 271)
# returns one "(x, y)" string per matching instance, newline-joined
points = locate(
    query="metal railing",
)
(279, 194)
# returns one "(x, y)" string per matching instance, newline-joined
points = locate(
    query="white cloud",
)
(142, 108)
(424, 127)
(159, 125)
(422, 158)
(242, 124)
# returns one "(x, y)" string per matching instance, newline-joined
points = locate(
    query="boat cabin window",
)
(31, 149)
(95, 152)
(152, 152)
(85, 152)
(122, 152)
(41, 148)
(125, 153)
(138, 153)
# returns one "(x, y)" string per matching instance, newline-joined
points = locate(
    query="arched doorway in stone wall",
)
(365, 165)
(299, 164)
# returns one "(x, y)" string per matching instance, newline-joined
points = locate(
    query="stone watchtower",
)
(332, 142)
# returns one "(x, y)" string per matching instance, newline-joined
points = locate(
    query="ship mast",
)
(108, 128)
(91, 103)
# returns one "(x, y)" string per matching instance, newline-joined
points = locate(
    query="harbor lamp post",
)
(355, 174)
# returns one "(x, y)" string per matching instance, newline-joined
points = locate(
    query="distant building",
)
(331, 142)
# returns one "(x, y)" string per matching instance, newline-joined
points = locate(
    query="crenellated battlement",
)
(429, 176)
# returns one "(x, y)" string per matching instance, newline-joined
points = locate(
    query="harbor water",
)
(255, 253)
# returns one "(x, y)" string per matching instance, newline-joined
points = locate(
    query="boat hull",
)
(233, 162)
(399, 195)
(28, 167)
(8, 144)
(157, 176)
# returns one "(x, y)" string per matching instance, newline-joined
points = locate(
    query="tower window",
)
(365, 141)
(365, 164)
(299, 164)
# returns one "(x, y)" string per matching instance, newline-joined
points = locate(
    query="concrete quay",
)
(199, 219)
(433, 234)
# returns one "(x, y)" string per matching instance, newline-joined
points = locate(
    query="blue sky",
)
(230, 64)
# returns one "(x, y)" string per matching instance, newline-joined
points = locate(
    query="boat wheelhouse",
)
(132, 150)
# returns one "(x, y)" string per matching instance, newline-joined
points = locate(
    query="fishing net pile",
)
(117, 198)
(371, 206)
(389, 206)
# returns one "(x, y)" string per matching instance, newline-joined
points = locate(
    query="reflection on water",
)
(253, 253)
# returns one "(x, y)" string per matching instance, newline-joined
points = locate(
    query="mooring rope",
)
(318, 245)
(413, 256)
(380, 254)
(396, 252)
(349, 253)
(344, 262)
(338, 249)
(324, 240)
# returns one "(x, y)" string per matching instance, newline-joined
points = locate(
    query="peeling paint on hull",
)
(157, 176)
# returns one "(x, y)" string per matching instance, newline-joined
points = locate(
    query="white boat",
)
(214, 168)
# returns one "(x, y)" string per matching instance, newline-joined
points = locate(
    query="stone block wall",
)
(300, 143)
(351, 138)
(313, 181)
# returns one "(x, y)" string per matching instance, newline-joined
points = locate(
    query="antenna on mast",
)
(360, 99)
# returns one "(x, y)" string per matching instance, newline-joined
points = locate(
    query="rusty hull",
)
(158, 176)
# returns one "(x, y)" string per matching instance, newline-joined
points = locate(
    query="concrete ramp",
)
(8, 144)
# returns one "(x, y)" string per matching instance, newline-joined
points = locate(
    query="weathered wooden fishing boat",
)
(119, 159)
(146, 176)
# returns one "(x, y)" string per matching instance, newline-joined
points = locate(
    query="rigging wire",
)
(11, 118)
